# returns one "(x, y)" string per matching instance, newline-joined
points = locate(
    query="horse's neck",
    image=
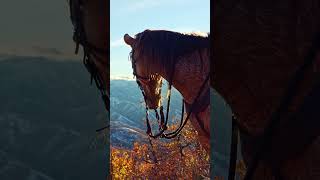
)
(190, 72)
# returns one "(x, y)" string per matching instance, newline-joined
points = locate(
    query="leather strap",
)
(201, 104)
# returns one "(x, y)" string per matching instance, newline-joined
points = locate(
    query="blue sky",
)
(134, 16)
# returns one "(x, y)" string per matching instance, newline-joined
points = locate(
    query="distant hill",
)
(48, 118)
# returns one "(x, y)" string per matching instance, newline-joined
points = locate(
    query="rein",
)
(90, 50)
(163, 121)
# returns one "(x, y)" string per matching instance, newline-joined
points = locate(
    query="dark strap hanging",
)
(233, 150)
(163, 121)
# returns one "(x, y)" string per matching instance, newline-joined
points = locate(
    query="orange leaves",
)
(180, 158)
(121, 164)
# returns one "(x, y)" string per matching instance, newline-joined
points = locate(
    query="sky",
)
(36, 28)
(43, 27)
(132, 17)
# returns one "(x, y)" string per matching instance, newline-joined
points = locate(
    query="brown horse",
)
(265, 52)
(181, 59)
(90, 20)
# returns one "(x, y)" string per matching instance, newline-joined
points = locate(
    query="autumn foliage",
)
(179, 158)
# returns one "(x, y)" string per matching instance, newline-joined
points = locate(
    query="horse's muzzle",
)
(153, 107)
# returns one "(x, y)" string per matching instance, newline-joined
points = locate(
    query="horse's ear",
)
(128, 39)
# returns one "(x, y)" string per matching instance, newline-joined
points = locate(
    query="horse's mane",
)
(167, 46)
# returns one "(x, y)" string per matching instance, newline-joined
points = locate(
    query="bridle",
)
(266, 138)
(163, 120)
(90, 50)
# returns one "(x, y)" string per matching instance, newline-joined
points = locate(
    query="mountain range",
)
(49, 114)
(48, 117)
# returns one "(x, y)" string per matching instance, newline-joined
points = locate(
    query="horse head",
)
(181, 60)
(149, 82)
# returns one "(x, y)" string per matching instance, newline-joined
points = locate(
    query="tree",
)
(181, 157)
